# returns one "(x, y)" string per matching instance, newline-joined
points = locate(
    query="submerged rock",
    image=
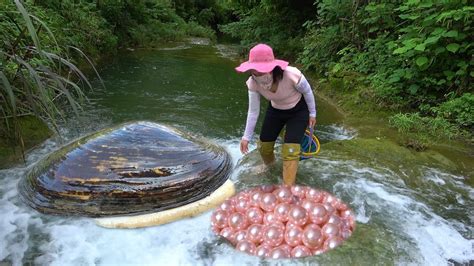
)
(131, 169)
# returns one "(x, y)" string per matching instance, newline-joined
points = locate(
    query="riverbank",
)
(379, 141)
(34, 132)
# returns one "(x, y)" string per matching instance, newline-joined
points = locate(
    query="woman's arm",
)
(252, 114)
(304, 88)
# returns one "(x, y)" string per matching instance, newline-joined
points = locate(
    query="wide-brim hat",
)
(261, 59)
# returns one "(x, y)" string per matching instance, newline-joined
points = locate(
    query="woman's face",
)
(257, 74)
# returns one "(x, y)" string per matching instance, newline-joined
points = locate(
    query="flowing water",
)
(407, 213)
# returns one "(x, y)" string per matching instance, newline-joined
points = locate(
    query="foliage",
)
(416, 55)
(419, 132)
(458, 110)
(35, 81)
(276, 22)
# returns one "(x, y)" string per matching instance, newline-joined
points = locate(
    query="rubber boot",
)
(291, 157)
(266, 151)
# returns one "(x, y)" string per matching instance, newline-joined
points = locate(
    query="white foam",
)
(374, 194)
(336, 132)
(436, 238)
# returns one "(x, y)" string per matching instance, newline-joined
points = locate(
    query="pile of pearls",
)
(279, 221)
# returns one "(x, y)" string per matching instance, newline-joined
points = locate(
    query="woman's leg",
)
(295, 128)
(272, 125)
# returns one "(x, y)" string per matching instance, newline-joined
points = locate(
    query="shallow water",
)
(406, 213)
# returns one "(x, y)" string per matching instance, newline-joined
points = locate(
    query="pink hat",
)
(262, 60)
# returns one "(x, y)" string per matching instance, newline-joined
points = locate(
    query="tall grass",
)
(35, 80)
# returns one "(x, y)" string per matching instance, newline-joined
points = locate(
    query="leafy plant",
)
(35, 81)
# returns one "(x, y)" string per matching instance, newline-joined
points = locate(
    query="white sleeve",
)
(252, 114)
(304, 88)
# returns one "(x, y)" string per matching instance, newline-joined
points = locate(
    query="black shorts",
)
(296, 120)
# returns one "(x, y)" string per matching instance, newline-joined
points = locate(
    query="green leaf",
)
(420, 47)
(394, 78)
(400, 50)
(430, 40)
(413, 89)
(438, 31)
(336, 67)
(421, 60)
(472, 74)
(373, 29)
(452, 47)
(451, 34)
(449, 74)
(440, 50)
(409, 44)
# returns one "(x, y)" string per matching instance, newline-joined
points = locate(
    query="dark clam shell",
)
(132, 169)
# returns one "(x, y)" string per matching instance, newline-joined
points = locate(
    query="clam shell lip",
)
(134, 168)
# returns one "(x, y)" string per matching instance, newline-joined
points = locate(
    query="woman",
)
(291, 104)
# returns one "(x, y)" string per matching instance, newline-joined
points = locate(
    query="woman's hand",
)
(244, 146)
(312, 122)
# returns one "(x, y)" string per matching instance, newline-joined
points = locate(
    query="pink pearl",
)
(298, 215)
(345, 233)
(273, 236)
(227, 206)
(268, 202)
(240, 235)
(281, 211)
(242, 205)
(312, 237)
(254, 215)
(314, 195)
(215, 229)
(293, 236)
(263, 251)
(219, 219)
(243, 195)
(330, 230)
(267, 188)
(227, 233)
(278, 224)
(329, 208)
(279, 253)
(298, 191)
(340, 206)
(255, 198)
(347, 214)
(332, 242)
(334, 219)
(283, 194)
(330, 199)
(237, 221)
(313, 226)
(286, 247)
(246, 246)
(300, 252)
(318, 214)
(269, 218)
(291, 225)
(255, 233)
(319, 251)
(307, 204)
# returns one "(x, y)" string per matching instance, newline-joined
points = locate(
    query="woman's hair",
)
(277, 73)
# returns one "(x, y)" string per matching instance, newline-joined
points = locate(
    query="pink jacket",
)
(290, 89)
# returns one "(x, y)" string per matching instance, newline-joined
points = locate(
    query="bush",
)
(432, 128)
(458, 110)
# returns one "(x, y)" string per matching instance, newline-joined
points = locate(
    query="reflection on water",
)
(406, 215)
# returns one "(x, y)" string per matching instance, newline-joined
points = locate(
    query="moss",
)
(34, 131)
(387, 152)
